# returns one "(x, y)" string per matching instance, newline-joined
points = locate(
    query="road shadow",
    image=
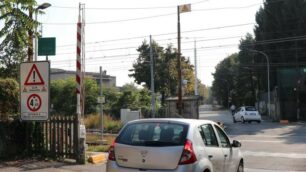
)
(292, 133)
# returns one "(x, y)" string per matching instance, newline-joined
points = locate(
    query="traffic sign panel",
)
(34, 77)
(34, 102)
(34, 90)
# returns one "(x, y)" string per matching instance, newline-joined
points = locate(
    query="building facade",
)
(108, 81)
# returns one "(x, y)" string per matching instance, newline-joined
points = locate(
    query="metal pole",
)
(180, 104)
(30, 33)
(268, 68)
(196, 69)
(152, 80)
(36, 40)
(101, 103)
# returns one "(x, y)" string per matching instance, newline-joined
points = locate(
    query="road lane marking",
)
(269, 136)
(278, 155)
(263, 141)
(266, 170)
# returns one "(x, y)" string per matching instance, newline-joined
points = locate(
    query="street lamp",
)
(268, 68)
(40, 7)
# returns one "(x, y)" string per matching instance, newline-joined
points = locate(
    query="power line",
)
(127, 8)
(218, 46)
(165, 34)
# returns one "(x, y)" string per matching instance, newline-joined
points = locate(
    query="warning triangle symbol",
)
(34, 77)
(185, 8)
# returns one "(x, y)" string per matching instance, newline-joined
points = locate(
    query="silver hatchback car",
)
(174, 145)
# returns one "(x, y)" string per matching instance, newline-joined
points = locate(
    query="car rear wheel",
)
(258, 122)
(234, 120)
(249, 122)
(240, 167)
(242, 120)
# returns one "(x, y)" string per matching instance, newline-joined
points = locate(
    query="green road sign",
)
(46, 46)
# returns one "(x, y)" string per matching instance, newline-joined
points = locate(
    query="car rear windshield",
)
(153, 134)
(250, 108)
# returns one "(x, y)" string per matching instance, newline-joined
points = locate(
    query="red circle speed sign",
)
(34, 102)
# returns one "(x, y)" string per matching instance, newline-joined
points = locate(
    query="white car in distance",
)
(174, 145)
(246, 114)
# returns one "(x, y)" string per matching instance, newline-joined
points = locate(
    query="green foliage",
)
(132, 98)
(225, 78)
(165, 70)
(235, 80)
(14, 35)
(63, 96)
(280, 19)
(9, 96)
(12, 139)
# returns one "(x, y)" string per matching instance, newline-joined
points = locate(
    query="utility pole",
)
(101, 102)
(179, 68)
(152, 80)
(195, 70)
(180, 9)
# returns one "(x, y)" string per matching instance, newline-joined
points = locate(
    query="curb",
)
(284, 121)
(97, 158)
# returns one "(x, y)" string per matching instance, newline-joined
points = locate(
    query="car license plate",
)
(252, 113)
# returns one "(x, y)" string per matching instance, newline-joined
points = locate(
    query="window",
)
(223, 138)
(208, 135)
(153, 134)
(250, 108)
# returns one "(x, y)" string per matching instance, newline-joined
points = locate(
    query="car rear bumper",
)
(252, 118)
(112, 166)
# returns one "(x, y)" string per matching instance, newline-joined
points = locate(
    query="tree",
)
(283, 22)
(165, 70)
(16, 34)
(248, 73)
(132, 98)
(63, 96)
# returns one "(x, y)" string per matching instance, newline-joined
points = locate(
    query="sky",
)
(115, 29)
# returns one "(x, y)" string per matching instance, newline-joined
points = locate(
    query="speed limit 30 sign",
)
(34, 90)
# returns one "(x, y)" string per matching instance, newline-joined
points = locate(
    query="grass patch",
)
(91, 138)
(110, 125)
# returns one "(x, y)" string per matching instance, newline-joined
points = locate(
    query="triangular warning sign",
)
(34, 77)
(185, 8)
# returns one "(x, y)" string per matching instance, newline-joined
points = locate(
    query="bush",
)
(110, 125)
(12, 139)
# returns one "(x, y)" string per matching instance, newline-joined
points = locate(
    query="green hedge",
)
(12, 139)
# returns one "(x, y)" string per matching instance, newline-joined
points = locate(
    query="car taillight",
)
(111, 152)
(188, 155)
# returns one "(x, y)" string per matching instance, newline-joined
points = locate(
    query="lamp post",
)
(268, 68)
(40, 7)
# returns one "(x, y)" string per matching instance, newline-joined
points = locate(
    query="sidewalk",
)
(49, 166)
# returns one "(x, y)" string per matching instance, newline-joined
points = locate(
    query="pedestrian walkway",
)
(35, 165)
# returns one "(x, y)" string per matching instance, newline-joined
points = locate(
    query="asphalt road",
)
(269, 146)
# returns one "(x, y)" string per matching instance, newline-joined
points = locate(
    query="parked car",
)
(247, 114)
(174, 145)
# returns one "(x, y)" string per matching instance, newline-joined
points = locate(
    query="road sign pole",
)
(101, 103)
